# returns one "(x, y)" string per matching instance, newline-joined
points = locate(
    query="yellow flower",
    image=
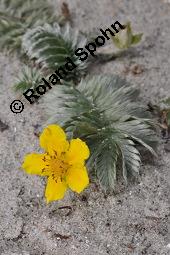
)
(62, 162)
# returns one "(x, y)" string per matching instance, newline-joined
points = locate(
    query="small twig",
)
(66, 207)
(62, 237)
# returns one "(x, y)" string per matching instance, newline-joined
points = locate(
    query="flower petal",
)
(34, 164)
(55, 190)
(77, 178)
(78, 151)
(53, 139)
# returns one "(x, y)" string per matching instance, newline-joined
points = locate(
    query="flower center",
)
(58, 167)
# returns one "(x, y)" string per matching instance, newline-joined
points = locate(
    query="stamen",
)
(45, 170)
(57, 166)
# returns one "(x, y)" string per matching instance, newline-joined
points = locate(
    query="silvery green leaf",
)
(105, 112)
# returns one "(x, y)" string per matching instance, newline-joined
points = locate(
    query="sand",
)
(134, 220)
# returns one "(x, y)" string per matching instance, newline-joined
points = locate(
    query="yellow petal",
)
(55, 190)
(77, 178)
(34, 164)
(53, 139)
(78, 151)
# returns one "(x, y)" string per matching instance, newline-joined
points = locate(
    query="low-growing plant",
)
(28, 78)
(103, 111)
(16, 16)
(50, 45)
(125, 39)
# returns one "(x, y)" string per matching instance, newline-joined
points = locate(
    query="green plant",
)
(166, 107)
(101, 111)
(165, 104)
(125, 38)
(16, 16)
(28, 78)
(50, 45)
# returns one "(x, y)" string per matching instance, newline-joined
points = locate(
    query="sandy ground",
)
(135, 220)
